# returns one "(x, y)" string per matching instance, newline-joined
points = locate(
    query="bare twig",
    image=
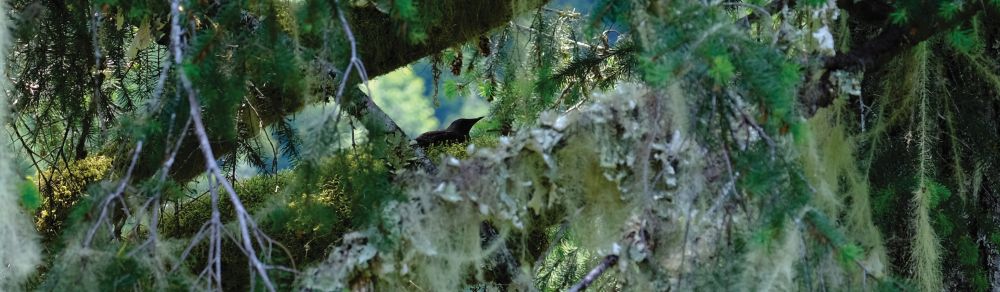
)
(154, 201)
(263, 128)
(110, 198)
(608, 262)
(367, 106)
(355, 60)
(554, 38)
(212, 167)
(354, 63)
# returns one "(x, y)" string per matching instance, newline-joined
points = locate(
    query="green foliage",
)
(948, 9)
(968, 251)
(189, 215)
(815, 3)
(937, 192)
(407, 11)
(848, 253)
(722, 69)
(943, 224)
(355, 173)
(109, 268)
(31, 199)
(611, 11)
(316, 218)
(899, 17)
(963, 40)
(564, 266)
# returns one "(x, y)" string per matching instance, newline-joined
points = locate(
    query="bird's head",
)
(463, 125)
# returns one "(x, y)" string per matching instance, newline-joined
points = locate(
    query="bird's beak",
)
(480, 118)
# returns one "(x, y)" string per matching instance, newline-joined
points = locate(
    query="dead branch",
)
(111, 197)
(608, 262)
(213, 169)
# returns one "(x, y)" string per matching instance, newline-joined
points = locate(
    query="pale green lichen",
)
(574, 167)
(20, 252)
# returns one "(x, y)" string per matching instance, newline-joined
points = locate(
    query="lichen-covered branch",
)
(579, 161)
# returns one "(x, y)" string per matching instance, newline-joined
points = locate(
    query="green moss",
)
(63, 188)
(460, 150)
(188, 216)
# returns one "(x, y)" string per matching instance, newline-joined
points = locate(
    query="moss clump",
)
(62, 189)
(317, 218)
(460, 150)
(188, 217)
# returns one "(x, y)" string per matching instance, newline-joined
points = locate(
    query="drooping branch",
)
(243, 216)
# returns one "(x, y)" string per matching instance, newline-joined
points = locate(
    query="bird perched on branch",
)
(457, 132)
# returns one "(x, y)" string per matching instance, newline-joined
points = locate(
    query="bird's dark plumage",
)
(457, 132)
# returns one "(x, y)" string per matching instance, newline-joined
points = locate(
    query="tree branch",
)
(608, 262)
(892, 40)
(897, 38)
(373, 30)
(243, 217)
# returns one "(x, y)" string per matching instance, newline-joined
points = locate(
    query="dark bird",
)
(457, 132)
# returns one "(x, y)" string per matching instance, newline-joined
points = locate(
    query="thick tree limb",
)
(896, 38)
(383, 49)
(892, 40)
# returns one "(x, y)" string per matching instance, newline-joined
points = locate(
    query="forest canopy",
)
(540, 145)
